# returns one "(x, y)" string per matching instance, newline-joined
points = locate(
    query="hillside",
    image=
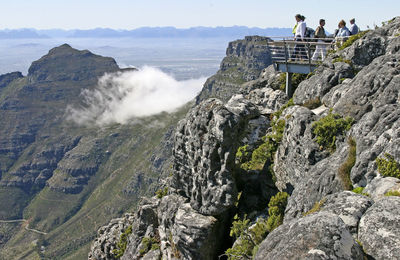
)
(65, 180)
(256, 175)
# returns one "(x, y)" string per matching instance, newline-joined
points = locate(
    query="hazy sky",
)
(130, 14)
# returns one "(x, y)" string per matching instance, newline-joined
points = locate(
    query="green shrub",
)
(266, 150)
(317, 207)
(388, 167)
(243, 154)
(243, 247)
(297, 78)
(122, 243)
(352, 39)
(247, 239)
(278, 113)
(276, 210)
(328, 128)
(345, 168)
(149, 243)
(360, 190)
(393, 193)
(162, 192)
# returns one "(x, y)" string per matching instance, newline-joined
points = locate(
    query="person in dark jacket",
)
(320, 34)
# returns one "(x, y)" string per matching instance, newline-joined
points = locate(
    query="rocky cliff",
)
(64, 179)
(258, 176)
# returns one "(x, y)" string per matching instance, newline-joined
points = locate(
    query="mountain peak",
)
(66, 63)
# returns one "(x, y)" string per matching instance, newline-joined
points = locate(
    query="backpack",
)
(310, 33)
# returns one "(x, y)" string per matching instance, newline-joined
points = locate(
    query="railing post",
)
(289, 87)
(309, 56)
(286, 55)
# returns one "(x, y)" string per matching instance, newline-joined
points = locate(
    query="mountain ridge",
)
(146, 32)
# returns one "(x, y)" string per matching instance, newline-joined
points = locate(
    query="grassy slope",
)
(72, 220)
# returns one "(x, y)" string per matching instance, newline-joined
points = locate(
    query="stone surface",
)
(379, 229)
(326, 76)
(379, 186)
(298, 151)
(317, 236)
(349, 206)
(107, 238)
(204, 153)
(267, 100)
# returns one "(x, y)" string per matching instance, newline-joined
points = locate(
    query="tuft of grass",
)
(328, 128)
(393, 193)
(388, 167)
(317, 207)
(345, 168)
(313, 103)
(341, 59)
(352, 39)
(360, 190)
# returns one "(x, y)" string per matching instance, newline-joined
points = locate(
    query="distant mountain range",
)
(145, 32)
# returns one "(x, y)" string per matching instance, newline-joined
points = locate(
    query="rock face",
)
(204, 154)
(322, 220)
(377, 188)
(244, 61)
(379, 230)
(319, 236)
(8, 78)
(349, 207)
(108, 236)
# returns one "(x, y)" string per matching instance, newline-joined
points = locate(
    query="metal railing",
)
(310, 50)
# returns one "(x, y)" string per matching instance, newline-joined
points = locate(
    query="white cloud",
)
(121, 97)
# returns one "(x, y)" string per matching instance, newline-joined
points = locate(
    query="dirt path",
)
(26, 227)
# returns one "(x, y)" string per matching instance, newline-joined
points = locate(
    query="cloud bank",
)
(121, 97)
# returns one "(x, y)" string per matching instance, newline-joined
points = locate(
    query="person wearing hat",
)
(353, 27)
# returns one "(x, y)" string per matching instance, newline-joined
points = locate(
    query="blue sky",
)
(130, 14)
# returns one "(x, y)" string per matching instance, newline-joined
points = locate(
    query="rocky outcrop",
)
(379, 186)
(322, 220)
(326, 76)
(350, 207)
(244, 61)
(108, 237)
(204, 154)
(379, 231)
(8, 78)
(319, 236)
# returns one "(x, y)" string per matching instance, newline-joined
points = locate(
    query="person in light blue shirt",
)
(343, 30)
(353, 27)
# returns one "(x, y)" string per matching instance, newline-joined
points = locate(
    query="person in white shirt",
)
(299, 49)
(353, 27)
